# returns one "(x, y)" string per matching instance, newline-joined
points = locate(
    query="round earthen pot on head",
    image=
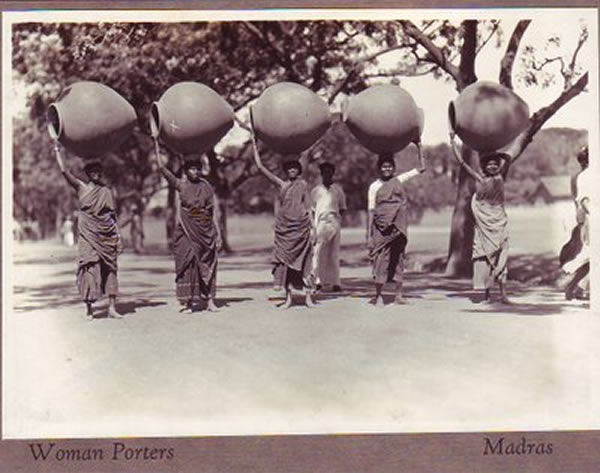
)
(384, 118)
(90, 119)
(289, 118)
(191, 118)
(487, 116)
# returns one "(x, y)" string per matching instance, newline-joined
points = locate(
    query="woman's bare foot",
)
(112, 309)
(400, 300)
(309, 301)
(288, 301)
(89, 311)
(377, 301)
(186, 308)
(211, 306)
(113, 314)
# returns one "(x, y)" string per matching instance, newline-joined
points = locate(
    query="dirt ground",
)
(440, 363)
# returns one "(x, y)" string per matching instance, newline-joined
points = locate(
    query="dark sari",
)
(195, 242)
(389, 232)
(293, 247)
(98, 244)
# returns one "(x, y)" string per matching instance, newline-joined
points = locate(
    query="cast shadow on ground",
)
(247, 285)
(41, 304)
(47, 260)
(49, 296)
(245, 266)
(541, 269)
(130, 307)
(517, 308)
(56, 296)
(414, 284)
(265, 251)
(227, 301)
(151, 270)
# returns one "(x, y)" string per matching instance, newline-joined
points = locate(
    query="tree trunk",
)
(462, 228)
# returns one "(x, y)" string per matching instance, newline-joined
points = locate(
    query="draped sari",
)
(389, 232)
(293, 249)
(195, 242)
(98, 244)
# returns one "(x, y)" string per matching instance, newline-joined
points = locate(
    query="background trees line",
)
(239, 59)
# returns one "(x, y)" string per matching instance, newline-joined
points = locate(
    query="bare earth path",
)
(441, 363)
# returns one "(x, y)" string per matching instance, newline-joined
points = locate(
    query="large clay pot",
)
(384, 118)
(289, 118)
(487, 116)
(90, 119)
(191, 118)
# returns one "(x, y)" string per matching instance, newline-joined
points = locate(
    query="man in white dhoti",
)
(328, 204)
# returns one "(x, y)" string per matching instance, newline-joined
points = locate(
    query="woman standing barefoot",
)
(197, 239)
(490, 241)
(293, 228)
(99, 241)
(387, 225)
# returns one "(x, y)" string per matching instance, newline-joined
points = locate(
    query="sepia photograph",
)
(275, 222)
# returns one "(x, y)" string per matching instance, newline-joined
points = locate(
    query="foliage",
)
(141, 60)
(239, 59)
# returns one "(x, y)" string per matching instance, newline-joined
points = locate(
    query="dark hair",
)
(493, 156)
(188, 163)
(386, 158)
(327, 167)
(91, 167)
(583, 155)
(292, 163)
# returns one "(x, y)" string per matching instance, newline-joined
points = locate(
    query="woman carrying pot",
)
(490, 240)
(197, 240)
(292, 255)
(99, 241)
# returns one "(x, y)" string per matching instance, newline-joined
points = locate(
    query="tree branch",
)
(487, 40)
(508, 60)
(468, 54)
(436, 53)
(339, 86)
(540, 66)
(582, 39)
(540, 117)
(583, 36)
(280, 55)
(401, 72)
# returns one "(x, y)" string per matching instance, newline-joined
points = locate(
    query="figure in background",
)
(490, 240)
(387, 221)
(76, 226)
(136, 231)
(99, 242)
(293, 246)
(328, 204)
(196, 240)
(66, 231)
(574, 257)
